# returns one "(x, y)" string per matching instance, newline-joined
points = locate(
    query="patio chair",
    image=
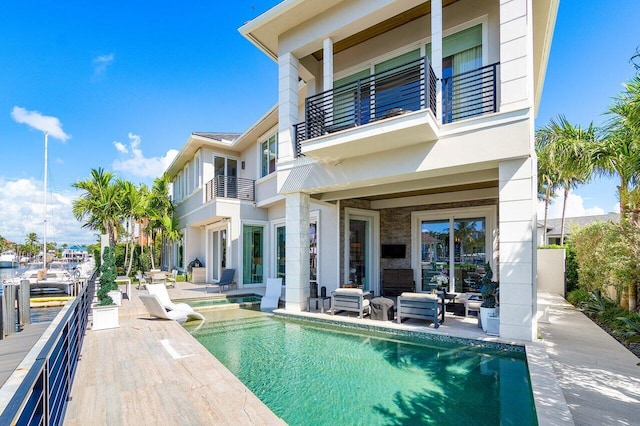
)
(155, 309)
(160, 291)
(351, 299)
(142, 281)
(225, 279)
(424, 306)
(171, 278)
(271, 297)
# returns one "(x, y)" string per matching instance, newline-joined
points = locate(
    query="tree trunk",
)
(633, 297)
(564, 208)
(546, 213)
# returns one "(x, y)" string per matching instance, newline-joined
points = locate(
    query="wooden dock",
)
(15, 347)
(152, 372)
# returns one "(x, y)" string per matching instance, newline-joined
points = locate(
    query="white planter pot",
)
(116, 296)
(105, 317)
(484, 314)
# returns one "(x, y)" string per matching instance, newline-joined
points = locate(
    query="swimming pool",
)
(220, 301)
(310, 373)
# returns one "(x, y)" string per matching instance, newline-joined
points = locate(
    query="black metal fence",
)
(230, 187)
(470, 94)
(42, 396)
(405, 88)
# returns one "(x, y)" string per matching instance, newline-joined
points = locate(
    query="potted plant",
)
(489, 291)
(105, 313)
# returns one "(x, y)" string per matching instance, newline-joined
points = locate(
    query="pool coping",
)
(550, 403)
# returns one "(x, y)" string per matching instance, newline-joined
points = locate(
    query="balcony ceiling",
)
(265, 30)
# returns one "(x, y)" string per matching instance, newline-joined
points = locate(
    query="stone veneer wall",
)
(395, 227)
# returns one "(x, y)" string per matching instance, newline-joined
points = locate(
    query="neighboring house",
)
(554, 226)
(403, 137)
(77, 253)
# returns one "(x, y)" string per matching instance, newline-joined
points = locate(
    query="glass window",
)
(281, 245)
(252, 254)
(397, 87)
(269, 152)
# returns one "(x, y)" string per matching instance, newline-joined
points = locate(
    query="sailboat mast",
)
(44, 251)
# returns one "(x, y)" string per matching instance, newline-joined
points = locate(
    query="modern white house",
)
(403, 138)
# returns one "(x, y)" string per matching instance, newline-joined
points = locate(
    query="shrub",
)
(578, 296)
(107, 277)
(489, 288)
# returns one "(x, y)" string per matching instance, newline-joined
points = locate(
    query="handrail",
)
(230, 187)
(470, 94)
(407, 87)
(43, 393)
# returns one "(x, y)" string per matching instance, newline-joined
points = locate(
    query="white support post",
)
(297, 251)
(327, 64)
(287, 105)
(436, 52)
(517, 249)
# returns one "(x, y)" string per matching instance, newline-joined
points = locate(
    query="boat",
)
(8, 259)
(53, 277)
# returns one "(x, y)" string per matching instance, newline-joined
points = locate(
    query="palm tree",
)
(159, 207)
(170, 232)
(563, 149)
(100, 205)
(547, 177)
(134, 205)
(618, 154)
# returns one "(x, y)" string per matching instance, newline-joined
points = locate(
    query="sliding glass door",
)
(453, 247)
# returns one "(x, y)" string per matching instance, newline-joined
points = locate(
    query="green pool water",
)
(311, 374)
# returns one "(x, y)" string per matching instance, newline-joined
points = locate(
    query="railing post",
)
(495, 87)
(24, 303)
(8, 309)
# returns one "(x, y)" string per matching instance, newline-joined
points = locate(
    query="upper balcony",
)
(378, 112)
(230, 187)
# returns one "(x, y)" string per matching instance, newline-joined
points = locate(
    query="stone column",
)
(517, 235)
(287, 105)
(297, 251)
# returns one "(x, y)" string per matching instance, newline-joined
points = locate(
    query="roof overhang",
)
(544, 22)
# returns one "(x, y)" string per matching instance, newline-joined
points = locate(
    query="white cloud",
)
(575, 207)
(120, 147)
(133, 161)
(100, 65)
(40, 122)
(22, 212)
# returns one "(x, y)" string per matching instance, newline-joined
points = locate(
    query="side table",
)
(317, 299)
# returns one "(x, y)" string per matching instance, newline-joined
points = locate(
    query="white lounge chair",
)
(272, 294)
(155, 309)
(160, 291)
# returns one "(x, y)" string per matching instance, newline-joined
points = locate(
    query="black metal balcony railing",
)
(42, 396)
(395, 91)
(404, 88)
(230, 187)
(469, 94)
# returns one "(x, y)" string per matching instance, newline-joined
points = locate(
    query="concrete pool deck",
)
(154, 372)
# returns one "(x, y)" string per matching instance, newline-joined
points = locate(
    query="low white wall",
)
(551, 271)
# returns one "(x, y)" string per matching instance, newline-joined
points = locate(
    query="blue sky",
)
(129, 81)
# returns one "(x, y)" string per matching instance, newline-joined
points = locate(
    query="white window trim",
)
(262, 139)
(374, 215)
(490, 214)
(265, 248)
(314, 216)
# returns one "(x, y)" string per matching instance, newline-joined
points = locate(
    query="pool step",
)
(239, 324)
